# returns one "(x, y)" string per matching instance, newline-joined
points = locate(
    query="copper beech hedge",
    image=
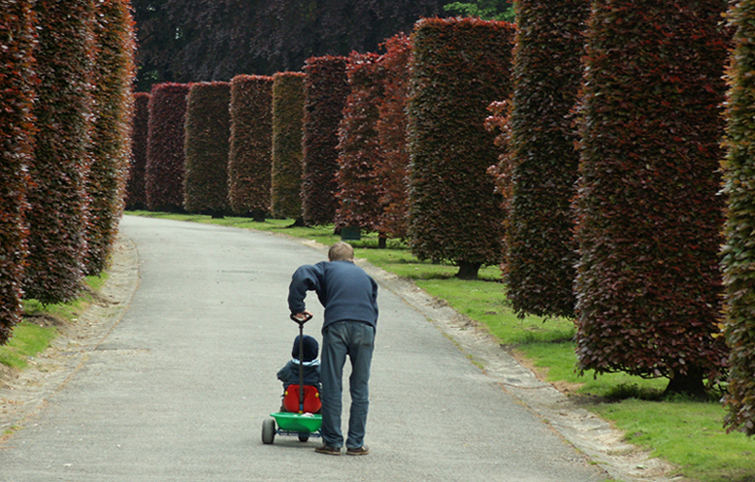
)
(739, 251)
(206, 148)
(540, 248)
(58, 214)
(250, 161)
(287, 119)
(111, 136)
(135, 195)
(325, 90)
(459, 67)
(17, 130)
(649, 218)
(164, 173)
(358, 146)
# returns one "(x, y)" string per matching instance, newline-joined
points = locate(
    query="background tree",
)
(206, 148)
(250, 160)
(111, 136)
(649, 220)
(547, 71)
(739, 252)
(485, 9)
(325, 91)
(459, 66)
(287, 119)
(16, 144)
(135, 195)
(58, 217)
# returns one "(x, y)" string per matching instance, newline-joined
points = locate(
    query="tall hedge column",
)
(459, 67)
(325, 91)
(739, 251)
(649, 219)
(16, 145)
(288, 112)
(57, 218)
(135, 195)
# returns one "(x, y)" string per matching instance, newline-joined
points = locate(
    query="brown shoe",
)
(363, 450)
(328, 450)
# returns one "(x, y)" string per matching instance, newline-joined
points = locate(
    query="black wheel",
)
(303, 436)
(268, 431)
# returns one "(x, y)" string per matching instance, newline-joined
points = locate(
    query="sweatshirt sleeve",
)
(305, 278)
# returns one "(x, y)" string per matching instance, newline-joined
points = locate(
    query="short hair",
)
(341, 251)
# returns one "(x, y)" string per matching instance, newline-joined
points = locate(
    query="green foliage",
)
(739, 251)
(485, 9)
(16, 144)
(57, 217)
(250, 159)
(287, 112)
(648, 215)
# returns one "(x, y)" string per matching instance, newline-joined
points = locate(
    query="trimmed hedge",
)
(135, 193)
(459, 66)
(541, 250)
(57, 217)
(325, 90)
(393, 164)
(164, 173)
(16, 145)
(111, 135)
(649, 220)
(287, 119)
(206, 148)
(250, 161)
(739, 251)
(358, 147)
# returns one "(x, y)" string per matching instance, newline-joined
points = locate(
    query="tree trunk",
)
(299, 222)
(382, 241)
(690, 383)
(468, 270)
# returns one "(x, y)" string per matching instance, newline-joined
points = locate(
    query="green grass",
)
(29, 338)
(687, 433)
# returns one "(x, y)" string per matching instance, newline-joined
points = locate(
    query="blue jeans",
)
(357, 340)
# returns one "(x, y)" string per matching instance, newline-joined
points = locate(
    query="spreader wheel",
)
(268, 431)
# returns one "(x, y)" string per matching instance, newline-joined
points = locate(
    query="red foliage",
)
(287, 112)
(325, 90)
(136, 196)
(164, 173)
(459, 67)
(358, 147)
(57, 217)
(113, 104)
(250, 162)
(649, 218)
(392, 165)
(206, 148)
(16, 144)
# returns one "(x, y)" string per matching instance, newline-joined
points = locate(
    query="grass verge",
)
(687, 433)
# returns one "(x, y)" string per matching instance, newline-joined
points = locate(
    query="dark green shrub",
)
(649, 220)
(250, 161)
(540, 247)
(287, 112)
(325, 91)
(459, 66)
(392, 165)
(16, 145)
(164, 174)
(57, 217)
(358, 148)
(111, 136)
(739, 250)
(206, 148)
(135, 193)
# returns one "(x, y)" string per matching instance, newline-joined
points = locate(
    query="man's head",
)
(341, 252)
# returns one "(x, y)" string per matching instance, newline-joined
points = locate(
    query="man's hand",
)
(302, 317)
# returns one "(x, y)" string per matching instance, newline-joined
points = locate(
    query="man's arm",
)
(306, 278)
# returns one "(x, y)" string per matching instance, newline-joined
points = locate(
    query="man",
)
(349, 296)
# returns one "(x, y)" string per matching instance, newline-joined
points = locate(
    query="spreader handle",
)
(301, 322)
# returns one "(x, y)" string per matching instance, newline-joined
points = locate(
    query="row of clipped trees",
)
(604, 205)
(65, 88)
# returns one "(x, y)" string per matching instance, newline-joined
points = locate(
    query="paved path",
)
(178, 390)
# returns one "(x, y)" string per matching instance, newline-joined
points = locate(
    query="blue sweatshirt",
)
(343, 288)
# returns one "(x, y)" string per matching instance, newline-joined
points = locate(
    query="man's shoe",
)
(363, 450)
(328, 450)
